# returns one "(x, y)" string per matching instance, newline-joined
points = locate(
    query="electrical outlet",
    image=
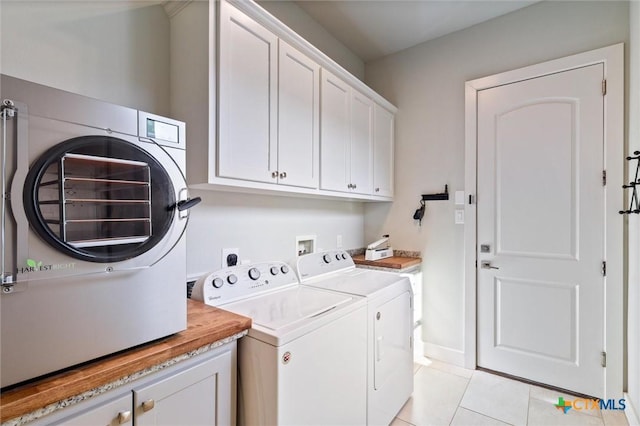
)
(225, 256)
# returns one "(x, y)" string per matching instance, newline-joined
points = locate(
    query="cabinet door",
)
(197, 396)
(383, 128)
(298, 118)
(113, 413)
(361, 143)
(247, 90)
(334, 134)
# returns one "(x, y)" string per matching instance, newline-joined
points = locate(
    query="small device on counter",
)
(379, 249)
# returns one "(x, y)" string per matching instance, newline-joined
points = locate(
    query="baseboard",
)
(444, 354)
(632, 415)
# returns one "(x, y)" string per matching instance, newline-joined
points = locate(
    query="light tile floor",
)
(448, 395)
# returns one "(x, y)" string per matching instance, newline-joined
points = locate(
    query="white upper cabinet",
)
(273, 113)
(346, 143)
(247, 147)
(361, 154)
(268, 107)
(383, 147)
(298, 118)
(336, 137)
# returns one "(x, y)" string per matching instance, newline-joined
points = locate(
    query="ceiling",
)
(375, 28)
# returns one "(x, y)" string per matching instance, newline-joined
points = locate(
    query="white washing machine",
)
(302, 360)
(389, 326)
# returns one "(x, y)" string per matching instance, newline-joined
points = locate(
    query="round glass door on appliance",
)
(89, 201)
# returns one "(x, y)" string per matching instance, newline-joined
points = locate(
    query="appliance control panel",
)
(242, 281)
(315, 264)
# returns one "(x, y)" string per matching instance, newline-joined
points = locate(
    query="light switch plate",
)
(459, 217)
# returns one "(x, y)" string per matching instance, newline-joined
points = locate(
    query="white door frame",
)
(613, 59)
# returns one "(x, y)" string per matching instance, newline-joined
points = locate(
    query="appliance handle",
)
(188, 203)
(19, 113)
(7, 110)
(184, 203)
(17, 206)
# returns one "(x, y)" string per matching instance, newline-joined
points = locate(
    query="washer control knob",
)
(338, 257)
(217, 282)
(232, 279)
(284, 269)
(344, 256)
(326, 258)
(274, 270)
(254, 274)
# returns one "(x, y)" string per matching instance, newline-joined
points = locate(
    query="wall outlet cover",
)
(225, 254)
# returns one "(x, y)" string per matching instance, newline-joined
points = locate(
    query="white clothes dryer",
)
(389, 325)
(302, 360)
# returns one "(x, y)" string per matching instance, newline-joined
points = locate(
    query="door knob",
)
(485, 264)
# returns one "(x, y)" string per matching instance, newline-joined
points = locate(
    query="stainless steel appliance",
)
(94, 209)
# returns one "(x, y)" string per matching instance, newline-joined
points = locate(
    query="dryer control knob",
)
(254, 274)
(275, 270)
(232, 279)
(344, 256)
(217, 282)
(284, 269)
(326, 258)
(338, 258)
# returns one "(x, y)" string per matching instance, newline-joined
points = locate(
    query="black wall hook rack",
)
(634, 204)
(441, 196)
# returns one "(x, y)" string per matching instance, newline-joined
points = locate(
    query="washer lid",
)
(290, 307)
(361, 282)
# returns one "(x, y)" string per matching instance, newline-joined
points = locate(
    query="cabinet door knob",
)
(283, 175)
(148, 405)
(124, 417)
(274, 174)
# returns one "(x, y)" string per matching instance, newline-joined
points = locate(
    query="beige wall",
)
(426, 82)
(114, 51)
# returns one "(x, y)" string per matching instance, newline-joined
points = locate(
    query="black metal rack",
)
(441, 196)
(634, 203)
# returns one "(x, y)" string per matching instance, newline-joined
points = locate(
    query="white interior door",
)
(540, 226)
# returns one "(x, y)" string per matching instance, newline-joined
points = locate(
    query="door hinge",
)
(604, 87)
(604, 268)
(604, 178)
(603, 358)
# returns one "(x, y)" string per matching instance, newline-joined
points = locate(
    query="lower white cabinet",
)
(197, 391)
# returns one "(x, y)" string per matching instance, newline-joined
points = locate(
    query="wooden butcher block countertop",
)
(205, 325)
(394, 262)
